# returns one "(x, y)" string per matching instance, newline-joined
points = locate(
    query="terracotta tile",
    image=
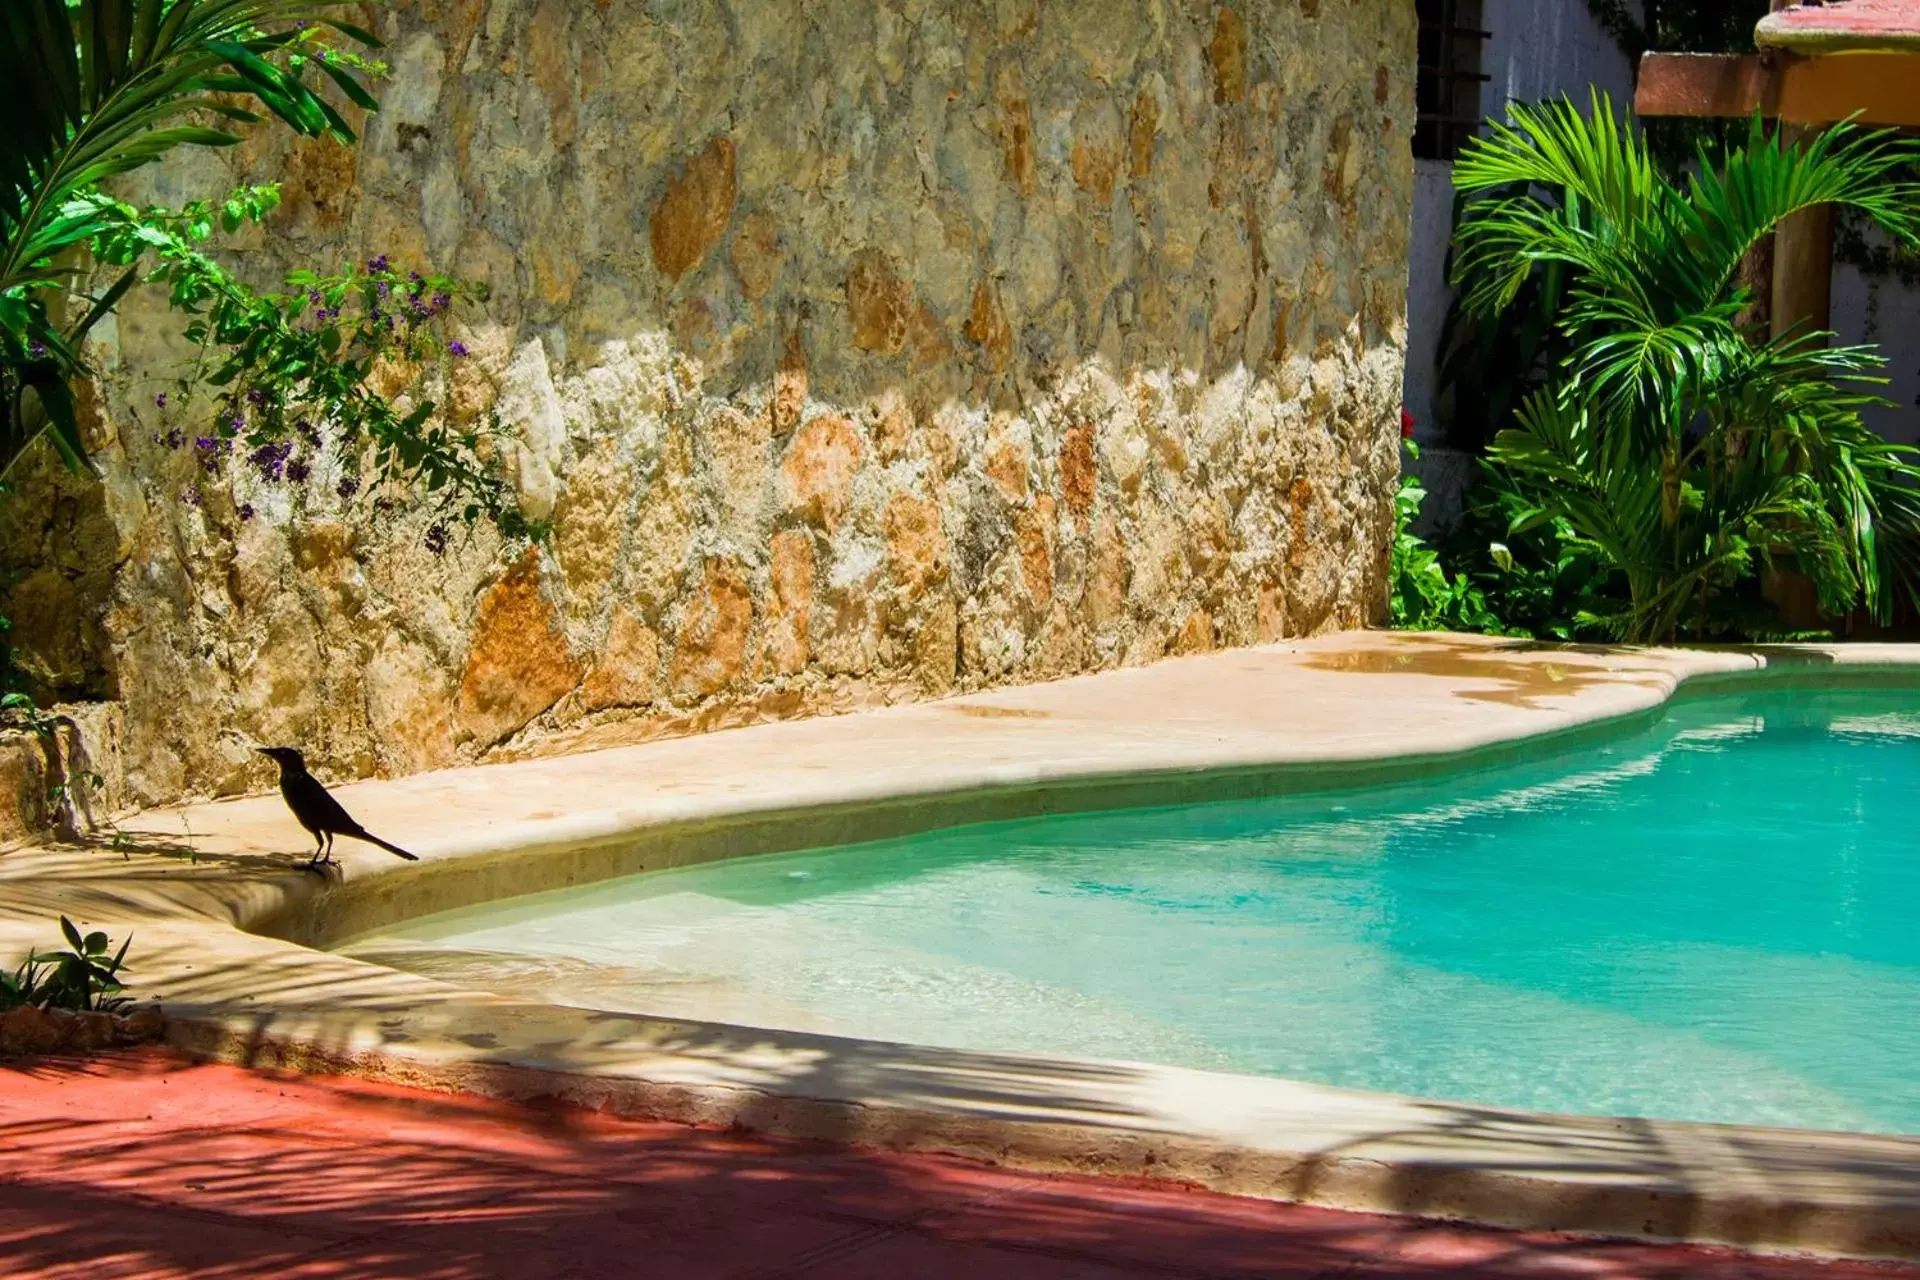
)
(923, 1258)
(70, 1231)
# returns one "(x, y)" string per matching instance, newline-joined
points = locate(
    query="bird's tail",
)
(396, 850)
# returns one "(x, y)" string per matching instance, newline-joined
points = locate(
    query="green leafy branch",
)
(283, 370)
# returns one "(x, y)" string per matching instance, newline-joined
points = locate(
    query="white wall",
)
(1544, 48)
(1887, 312)
(1427, 290)
(1539, 49)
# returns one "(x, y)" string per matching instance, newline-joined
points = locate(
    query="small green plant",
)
(85, 977)
(1537, 575)
(84, 782)
(1425, 597)
(24, 986)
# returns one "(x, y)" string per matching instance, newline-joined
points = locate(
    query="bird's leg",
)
(320, 854)
(329, 846)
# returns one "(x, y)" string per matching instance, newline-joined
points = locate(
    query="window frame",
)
(1451, 50)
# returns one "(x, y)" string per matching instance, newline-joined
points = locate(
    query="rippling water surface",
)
(1718, 919)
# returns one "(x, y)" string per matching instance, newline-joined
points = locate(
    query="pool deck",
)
(190, 884)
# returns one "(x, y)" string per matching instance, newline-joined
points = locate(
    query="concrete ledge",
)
(1351, 710)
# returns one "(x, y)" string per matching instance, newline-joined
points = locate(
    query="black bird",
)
(318, 811)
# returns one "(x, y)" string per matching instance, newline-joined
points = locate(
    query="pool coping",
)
(1179, 729)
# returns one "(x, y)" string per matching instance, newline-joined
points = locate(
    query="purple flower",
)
(347, 487)
(172, 439)
(160, 401)
(255, 396)
(315, 297)
(436, 539)
(384, 288)
(210, 450)
(378, 264)
(37, 349)
(441, 301)
(457, 349)
(298, 472)
(383, 505)
(190, 495)
(309, 432)
(244, 511)
(237, 422)
(270, 460)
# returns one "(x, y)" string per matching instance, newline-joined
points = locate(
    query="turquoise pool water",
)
(1714, 919)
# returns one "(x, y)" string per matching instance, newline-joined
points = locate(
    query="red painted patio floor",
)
(145, 1165)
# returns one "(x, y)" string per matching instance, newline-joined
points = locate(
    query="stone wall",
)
(859, 349)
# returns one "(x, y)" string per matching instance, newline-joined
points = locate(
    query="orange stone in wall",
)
(694, 210)
(520, 663)
(790, 616)
(628, 672)
(712, 646)
(879, 304)
(820, 466)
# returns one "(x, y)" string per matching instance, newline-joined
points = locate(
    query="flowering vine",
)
(279, 379)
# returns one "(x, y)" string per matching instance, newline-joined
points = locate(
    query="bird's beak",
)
(263, 751)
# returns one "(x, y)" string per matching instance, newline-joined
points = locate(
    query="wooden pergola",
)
(1815, 63)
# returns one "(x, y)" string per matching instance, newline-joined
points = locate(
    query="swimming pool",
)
(1715, 918)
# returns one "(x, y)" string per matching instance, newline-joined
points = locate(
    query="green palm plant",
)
(103, 87)
(1684, 447)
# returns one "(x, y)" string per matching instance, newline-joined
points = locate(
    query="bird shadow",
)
(126, 843)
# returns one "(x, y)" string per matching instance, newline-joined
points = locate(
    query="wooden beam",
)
(1880, 87)
(1718, 85)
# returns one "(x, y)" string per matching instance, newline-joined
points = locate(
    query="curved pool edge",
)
(1763, 1190)
(589, 851)
(253, 998)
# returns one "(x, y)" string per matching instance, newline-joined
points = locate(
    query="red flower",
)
(1406, 424)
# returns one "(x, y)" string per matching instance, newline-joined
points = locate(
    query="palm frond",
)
(1591, 157)
(113, 85)
(1733, 204)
